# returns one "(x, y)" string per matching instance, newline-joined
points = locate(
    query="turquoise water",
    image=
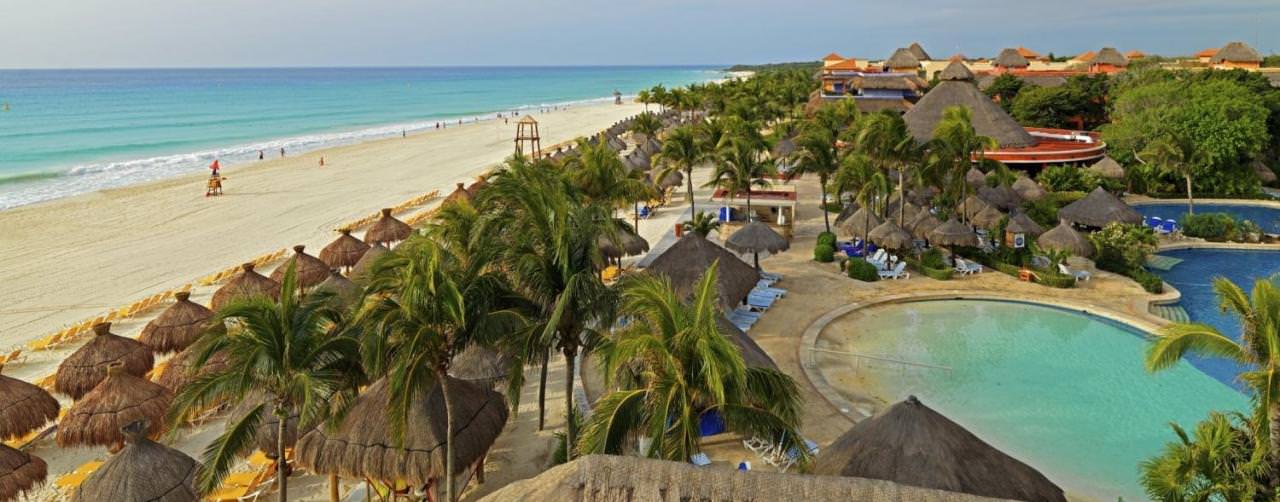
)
(1062, 391)
(1265, 216)
(72, 131)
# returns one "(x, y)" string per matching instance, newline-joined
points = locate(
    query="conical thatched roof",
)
(973, 205)
(1028, 189)
(922, 224)
(1107, 167)
(956, 71)
(120, 400)
(890, 235)
(345, 292)
(757, 237)
(784, 148)
(685, 261)
(459, 194)
(310, 270)
(752, 355)
(1002, 197)
(1111, 56)
(266, 440)
(672, 180)
(613, 478)
(362, 268)
(482, 366)
(23, 408)
(953, 233)
(918, 52)
(81, 371)
(178, 326)
(1265, 174)
(988, 118)
(1010, 58)
(246, 284)
(344, 251)
(1236, 52)
(846, 212)
(988, 218)
(1022, 224)
(143, 471)
(626, 243)
(388, 229)
(180, 368)
(911, 444)
(1098, 209)
(902, 59)
(1065, 238)
(19, 472)
(361, 447)
(861, 222)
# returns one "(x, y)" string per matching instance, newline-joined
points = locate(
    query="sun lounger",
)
(1080, 275)
(771, 277)
(898, 272)
(967, 267)
(700, 459)
(774, 292)
(760, 301)
(1167, 227)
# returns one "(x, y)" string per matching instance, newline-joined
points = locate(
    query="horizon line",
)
(341, 67)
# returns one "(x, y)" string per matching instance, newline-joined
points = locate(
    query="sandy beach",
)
(71, 259)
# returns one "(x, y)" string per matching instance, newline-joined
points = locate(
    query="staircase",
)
(1173, 313)
(1162, 263)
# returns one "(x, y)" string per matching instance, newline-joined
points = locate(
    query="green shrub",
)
(1122, 248)
(1150, 282)
(827, 238)
(933, 259)
(824, 253)
(834, 206)
(1250, 231)
(1216, 227)
(1055, 280)
(863, 271)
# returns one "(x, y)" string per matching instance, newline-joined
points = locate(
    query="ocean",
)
(67, 132)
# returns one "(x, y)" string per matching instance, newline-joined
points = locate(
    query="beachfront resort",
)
(897, 277)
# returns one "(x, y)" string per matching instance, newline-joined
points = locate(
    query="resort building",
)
(774, 204)
(1236, 55)
(873, 90)
(1135, 54)
(902, 60)
(1030, 54)
(1108, 60)
(918, 51)
(1205, 55)
(1082, 59)
(1010, 60)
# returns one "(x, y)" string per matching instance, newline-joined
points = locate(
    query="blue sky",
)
(183, 33)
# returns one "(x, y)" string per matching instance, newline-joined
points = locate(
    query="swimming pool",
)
(1063, 391)
(1267, 217)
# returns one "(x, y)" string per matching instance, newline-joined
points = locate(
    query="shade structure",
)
(1002, 197)
(480, 365)
(861, 222)
(624, 243)
(973, 205)
(689, 258)
(975, 178)
(902, 59)
(143, 471)
(178, 326)
(923, 223)
(1010, 58)
(988, 218)
(953, 233)
(757, 237)
(1107, 167)
(958, 89)
(922, 195)
(783, 148)
(846, 212)
(362, 448)
(344, 251)
(360, 272)
(752, 354)
(1065, 238)
(388, 229)
(890, 235)
(615, 478)
(672, 180)
(1110, 56)
(1236, 52)
(120, 400)
(343, 292)
(459, 194)
(267, 437)
(918, 51)
(246, 284)
(23, 407)
(181, 368)
(1028, 189)
(1022, 224)
(956, 71)
(310, 271)
(81, 371)
(475, 186)
(911, 444)
(1098, 209)
(19, 472)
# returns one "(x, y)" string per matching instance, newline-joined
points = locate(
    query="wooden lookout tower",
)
(527, 134)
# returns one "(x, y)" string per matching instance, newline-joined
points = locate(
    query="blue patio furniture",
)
(710, 423)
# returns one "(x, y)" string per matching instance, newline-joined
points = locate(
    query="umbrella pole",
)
(756, 255)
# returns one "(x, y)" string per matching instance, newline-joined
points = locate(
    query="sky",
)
(241, 33)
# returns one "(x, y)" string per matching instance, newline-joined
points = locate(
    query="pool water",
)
(1063, 391)
(1193, 278)
(1265, 216)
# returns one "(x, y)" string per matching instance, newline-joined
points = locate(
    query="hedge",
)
(824, 253)
(863, 271)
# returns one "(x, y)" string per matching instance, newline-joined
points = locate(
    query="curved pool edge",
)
(1147, 201)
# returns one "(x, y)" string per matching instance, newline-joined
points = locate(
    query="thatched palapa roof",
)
(180, 369)
(23, 407)
(689, 258)
(1110, 56)
(922, 224)
(1010, 58)
(19, 472)
(953, 233)
(918, 52)
(988, 118)
(1236, 52)
(81, 371)
(860, 223)
(1098, 209)
(1107, 167)
(1028, 189)
(344, 251)
(757, 237)
(890, 235)
(1001, 196)
(310, 270)
(902, 59)
(178, 326)
(459, 194)
(956, 71)
(1065, 238)
(988, 218)
(345, 293)
(975, 177)
(267, 438)
(359, 273)
(1022, 224)
(120, 400)
(625, 243)
(143, 471)
(911, 444)
(362, 446)
(248, 283)
(972, 205)
(752, 354)
(388, 229)
(613, 478)
(480, 365)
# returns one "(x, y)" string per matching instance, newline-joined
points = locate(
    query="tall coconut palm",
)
(646, 124)
(603, 178)
(1257, 351)
(858, 175)
(681, 151)
(645, 97)
(816, 153)
(885, 138)
(671, 365)
(741, 167)
(956, 146)
(293, 351)
(1178, 156)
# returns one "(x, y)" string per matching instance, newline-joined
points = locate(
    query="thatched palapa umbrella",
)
(19, 472)
(988, 218)
(911, 444)
(85, 368)
(1002, 197)
(890, 235)
(973, 205)
(1098, 209)
(178, 326)
(344, 251)
(1022, 224)
(626, 243)
(1028, 189)
(343, 292)
(482, 366)
(689, 258)
(118, 401)
(388, 229)
(459, 194)
(23, 408)
(309, 271)
(1107, 167)
(757, 237)
(246, 284)
(953, 233)
(362, 448)
(181, 368)
(143, 471)
(752, 354)
(1065, 238)
(360, 272)
(860, 223)
(922, 224)
(975, 178)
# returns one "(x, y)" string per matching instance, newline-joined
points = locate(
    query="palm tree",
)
(954, 146)
(294, 351)
(1178, 156)
(1258, 351)
(816, 153)
(646, 124)
(603, 178)
(858, 175)
(680, 152)
(885, 138)
(702, 223)
(671, 365)
(740, 169)
(644, 96)
(1214, 464)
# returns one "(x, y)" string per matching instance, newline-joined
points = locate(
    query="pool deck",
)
(1142, 200)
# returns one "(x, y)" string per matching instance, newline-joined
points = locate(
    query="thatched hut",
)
(1236, 52)
(360, 272)
(860, 223)
(1098, 209)
(23, 408)
(248, 283)
(922, 224)
(752, 354)
(309, 271)
(689, 258)
(343, 292)
(85, 368)
(1107, 167)
(956, 88)
(459, 194)
(181, 368)
(118, 401)
(361, 447)
(673, 179)
(388, 229)
(1010, 58)
(988, 218)
(911, 444)
(482, 366)
(918, 52)
(178, 326)
(890, 235)
(1028, 189)
(1022, 224)
(1110, 56)
(144, 471)
(613, 478)
(846, 212)
(973, 205)
(1002, 197)
(19, 472)
(1065, 238)
(975, 178)
(625, 243)
(344, 251)
(902, 60)
(755, 238)
(953, 233)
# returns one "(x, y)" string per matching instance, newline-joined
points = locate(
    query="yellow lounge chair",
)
(73, 479)
(41, 344)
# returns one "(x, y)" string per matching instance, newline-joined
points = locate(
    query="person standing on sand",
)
(259, 154)
(282, 152)
(321, 161)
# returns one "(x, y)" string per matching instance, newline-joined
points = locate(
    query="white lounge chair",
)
(775, 292)
(700, 459)
(968, 267)
(898, 272)
(1080, 275)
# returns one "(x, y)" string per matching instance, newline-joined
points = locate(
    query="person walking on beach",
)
(282, 152)
(321, 161)
(259, 154)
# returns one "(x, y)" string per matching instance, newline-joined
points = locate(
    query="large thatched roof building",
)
(956, 88)
(1098, 209)
(685, 261)
(1011, 59)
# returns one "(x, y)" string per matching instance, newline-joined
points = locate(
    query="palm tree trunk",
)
(333, 488)
(571, 428)
(902, 200)
(826, 216)
(1190, 203)
(448, 435)
(1273, 426)
(542, 392)
(282, 465)
(688, 177)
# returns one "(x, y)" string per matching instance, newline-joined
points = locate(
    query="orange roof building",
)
(1135, 54)
(1205, 55)
(1085, 56)
(1028, 53)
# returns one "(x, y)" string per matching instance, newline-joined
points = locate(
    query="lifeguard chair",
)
(214, 187)
(527, 134)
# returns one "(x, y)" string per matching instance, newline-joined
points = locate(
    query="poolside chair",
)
(760, 301)
(756, 444)
(744, 466)
(898, 272)
(771, 277)
(765, 290)
(1080, 275)
(700, 459)
(970, 267)
(1168, 227)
